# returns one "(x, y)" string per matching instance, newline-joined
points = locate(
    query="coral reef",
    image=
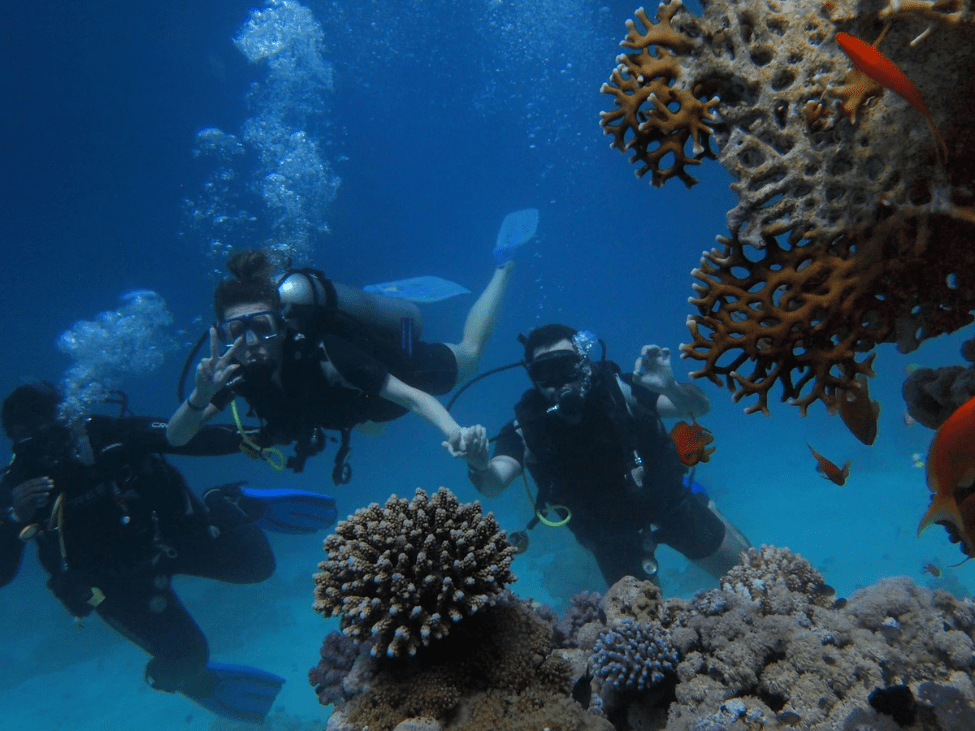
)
(933, 394)
(401, 574)
(338, 655)
(632, 656)
(772, 648)
(847, 232)
(494, 671)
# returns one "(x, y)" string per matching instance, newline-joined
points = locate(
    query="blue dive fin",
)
(696, 487)
(239, 692)
(289, 511)
(419, 289)
(516, 229)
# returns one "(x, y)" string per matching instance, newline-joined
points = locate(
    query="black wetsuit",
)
(307, 401)
(585, 467)
(127, 523)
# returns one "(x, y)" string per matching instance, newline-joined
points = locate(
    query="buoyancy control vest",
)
(589, 465)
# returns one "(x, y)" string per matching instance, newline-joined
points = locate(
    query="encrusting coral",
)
(846, 233)
(773, 648)
(400, 575)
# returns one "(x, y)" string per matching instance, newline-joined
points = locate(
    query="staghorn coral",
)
(401, 574)
(839, 240)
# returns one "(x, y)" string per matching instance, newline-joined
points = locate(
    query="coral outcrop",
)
(849, 230)
(495, 672)
(773, 648)
(401, 574)
(934, 394)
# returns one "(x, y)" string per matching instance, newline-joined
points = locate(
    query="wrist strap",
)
(193, 407)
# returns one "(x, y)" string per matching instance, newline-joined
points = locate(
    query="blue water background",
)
(444, 117)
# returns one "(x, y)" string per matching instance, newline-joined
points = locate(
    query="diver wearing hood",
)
(309, 355)
(593, 440)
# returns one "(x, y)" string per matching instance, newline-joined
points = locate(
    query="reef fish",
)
(829, 470)
(881, 69)
(692, 442)
(950, 469)
(930, 568)
(858, 412)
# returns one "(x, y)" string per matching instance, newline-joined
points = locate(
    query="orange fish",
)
(930, 568)
(829, 470)
(882, 70)
(950, 466)
(692, 442)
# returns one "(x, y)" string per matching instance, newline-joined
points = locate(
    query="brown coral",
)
(845, 235)
(402, 574)
(655, 105)
(495, 671)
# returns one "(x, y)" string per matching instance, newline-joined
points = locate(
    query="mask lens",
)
(555, 369)
(262, 325)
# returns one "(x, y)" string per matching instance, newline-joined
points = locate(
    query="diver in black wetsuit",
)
(593, 440)
(113, 522)
(306, 368)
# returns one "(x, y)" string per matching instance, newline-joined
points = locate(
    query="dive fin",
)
(239, 692)
(289, 511)
(419, 289)
(516, 229)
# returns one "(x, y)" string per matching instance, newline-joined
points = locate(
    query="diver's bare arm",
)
(682, 400)
(501, 472)
(212, 374)
(186, 422)
(420, 403)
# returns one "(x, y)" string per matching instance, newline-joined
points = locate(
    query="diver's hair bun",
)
(251, 265)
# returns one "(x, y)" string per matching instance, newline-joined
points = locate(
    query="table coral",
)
(846, 234)
(400, 575)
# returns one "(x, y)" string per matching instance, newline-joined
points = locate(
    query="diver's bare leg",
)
(480, 323)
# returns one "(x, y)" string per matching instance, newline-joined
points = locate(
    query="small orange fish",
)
(882, 70)
(692, 442)
(930, 568)
(829, 470)
(950, 466)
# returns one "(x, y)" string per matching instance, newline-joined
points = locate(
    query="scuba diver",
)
(593, 440)
(310, 355)
(114, 522)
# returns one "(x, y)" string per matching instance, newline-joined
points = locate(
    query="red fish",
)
(882, 70)
(692, 442)
(829, 470)
(950, 467)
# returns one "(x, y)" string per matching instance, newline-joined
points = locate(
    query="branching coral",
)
(845, 234)
(401, 574)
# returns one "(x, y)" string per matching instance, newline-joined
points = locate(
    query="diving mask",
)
(556, 368)
(254, 328)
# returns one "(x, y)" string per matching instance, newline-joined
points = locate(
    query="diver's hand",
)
(215, 372)
(652, 370)
(471, 443)
(28, 496)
